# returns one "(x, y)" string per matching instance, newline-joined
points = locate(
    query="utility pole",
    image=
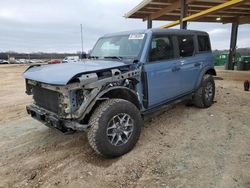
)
(81, 42)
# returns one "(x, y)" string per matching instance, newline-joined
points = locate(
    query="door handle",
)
(182, 62)
(197, 64)
(175, 69)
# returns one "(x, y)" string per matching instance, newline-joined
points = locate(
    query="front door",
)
(162, 71)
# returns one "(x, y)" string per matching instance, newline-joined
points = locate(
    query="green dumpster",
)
(222, 58)
(244, 64)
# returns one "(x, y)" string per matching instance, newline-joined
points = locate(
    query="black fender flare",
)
(206, 70)
(101, 97)
(130, 91)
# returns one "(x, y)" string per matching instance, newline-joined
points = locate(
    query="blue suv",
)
(127, 76)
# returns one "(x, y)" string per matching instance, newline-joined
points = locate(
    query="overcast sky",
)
(54, 25)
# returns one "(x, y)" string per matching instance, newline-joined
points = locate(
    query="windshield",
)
(126, 46)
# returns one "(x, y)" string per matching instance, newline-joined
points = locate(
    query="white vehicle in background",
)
(70, 59)
(3, 61)
(22, 61)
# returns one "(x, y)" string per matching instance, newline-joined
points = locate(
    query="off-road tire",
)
(97, 136)
(200, 99)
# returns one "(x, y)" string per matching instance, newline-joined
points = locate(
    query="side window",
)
(161, 48)
(204, 44)
(186, 46)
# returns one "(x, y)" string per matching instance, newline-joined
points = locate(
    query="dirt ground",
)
(181, 147)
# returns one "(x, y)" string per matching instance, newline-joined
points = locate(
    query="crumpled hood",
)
(61, 74)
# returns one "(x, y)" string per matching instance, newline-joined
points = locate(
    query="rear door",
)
(162, 71)
(204, 54)
(190, 64)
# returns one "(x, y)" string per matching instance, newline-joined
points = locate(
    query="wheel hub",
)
(119, 129)
(209, 91)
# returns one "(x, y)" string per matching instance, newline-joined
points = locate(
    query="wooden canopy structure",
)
(220, 11)
(183, 11)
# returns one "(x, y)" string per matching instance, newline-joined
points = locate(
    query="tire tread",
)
(93, 136)
(198, 96)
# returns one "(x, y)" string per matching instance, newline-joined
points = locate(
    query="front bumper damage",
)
(54, 121)
(70, 114)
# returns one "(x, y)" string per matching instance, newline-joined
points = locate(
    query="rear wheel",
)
(204, 96)
(115, 127)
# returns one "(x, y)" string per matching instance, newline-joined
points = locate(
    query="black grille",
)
(46, 99)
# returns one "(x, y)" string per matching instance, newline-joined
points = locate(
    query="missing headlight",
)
(77, 98)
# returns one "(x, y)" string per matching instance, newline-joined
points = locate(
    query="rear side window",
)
(204, 44)
(161, 48)
(186, 46)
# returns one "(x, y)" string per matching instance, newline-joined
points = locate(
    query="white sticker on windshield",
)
(136, 36)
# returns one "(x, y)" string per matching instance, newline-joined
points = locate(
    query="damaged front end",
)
(67, 107)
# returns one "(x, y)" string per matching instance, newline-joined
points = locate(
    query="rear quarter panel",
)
(207, 63)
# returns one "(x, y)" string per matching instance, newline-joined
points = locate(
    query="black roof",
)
(177, 31)
(159, 31)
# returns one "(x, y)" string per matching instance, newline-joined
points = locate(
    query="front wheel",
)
(204, 96)
(115, 127)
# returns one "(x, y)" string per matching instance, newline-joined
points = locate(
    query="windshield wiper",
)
(114, 57)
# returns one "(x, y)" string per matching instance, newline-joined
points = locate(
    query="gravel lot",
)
(182, 147)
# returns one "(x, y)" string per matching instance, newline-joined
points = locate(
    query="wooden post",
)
(149, 23)
(183, 5)
(232, 51)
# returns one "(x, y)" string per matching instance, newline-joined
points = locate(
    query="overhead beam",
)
(137, 8)
(205, 12)
(202, 6)
(225, 12)
(168, 9)
(172, 24)
(244, 19)
(214, 9)
(159, 3)
(209, 18)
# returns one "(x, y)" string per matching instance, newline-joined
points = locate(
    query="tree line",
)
(6, 55)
